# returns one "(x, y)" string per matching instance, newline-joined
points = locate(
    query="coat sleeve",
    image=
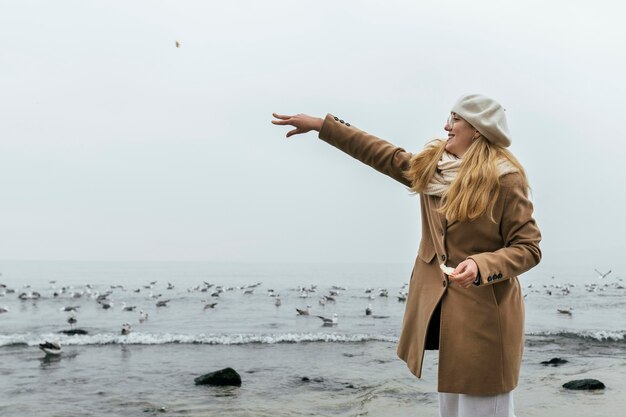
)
(521, 238)
(377, 153)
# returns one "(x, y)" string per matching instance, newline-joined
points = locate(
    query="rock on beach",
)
(584, 384)
(74, 332)
(554, 362)
(226, 376)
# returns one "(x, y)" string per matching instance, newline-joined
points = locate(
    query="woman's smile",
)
(455, 125)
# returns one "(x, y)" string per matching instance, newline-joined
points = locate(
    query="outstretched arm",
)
(381, 155)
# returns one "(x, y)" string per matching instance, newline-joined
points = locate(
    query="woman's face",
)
(460, 135)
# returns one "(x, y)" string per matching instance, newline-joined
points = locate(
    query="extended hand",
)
(465, 273)
(303, 123)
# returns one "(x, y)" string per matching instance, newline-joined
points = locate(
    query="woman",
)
(477, 219)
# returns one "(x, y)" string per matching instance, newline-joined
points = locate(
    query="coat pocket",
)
(426, 251)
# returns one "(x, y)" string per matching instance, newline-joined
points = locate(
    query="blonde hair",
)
(476, 187)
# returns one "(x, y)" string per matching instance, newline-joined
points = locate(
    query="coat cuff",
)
(329, 128)
(485, 276)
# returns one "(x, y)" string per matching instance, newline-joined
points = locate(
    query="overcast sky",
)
(116, 145)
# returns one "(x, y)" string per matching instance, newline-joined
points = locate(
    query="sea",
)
(290, 364)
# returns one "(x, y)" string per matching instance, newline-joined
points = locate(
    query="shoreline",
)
(347, 379)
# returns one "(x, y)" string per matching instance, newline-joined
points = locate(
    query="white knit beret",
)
(486, 115)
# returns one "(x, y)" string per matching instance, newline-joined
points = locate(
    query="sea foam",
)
(138, 338)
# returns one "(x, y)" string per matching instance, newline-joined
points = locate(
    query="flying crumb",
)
(177, 44)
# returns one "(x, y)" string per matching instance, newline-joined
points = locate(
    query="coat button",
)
(336, 118)
(500, 275)
(347, 124)
(443, 258)
(341, 121)
(444, 283)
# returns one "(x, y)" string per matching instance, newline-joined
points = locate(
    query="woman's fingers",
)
(283, 119)
(463, 282)
(459, 273)
(293, 132)
(465, 273)
(460, 268)
(302, 123)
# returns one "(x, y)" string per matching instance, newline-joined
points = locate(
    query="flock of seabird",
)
(102, 299)
(565, 289)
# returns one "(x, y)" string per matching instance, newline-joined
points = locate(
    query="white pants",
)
(463, 405)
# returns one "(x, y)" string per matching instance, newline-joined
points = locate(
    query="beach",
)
(290, 365)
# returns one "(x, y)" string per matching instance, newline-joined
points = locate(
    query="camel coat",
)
(479, 331)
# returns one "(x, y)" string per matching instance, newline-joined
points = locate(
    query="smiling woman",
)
(461, 134)
(476, 219)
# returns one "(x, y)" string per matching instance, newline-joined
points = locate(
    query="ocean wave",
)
(31, 339)
(138, 338)
(589, 335)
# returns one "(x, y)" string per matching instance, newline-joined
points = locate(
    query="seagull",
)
(567, 311)
(51, 348)
(4, 310)
(304, 312)
(71, 320)
(209, 305)
(277, 303)
(126, 329)
(102, 297)
(249, 291)
(368, 310)
(329, 322)
(142, 316)
(170, 286)
(601, 275)
(70, 308)
(162, 303)
(128, 308)
(29, 296)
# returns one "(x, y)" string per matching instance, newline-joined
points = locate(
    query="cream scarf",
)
(447, 170)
